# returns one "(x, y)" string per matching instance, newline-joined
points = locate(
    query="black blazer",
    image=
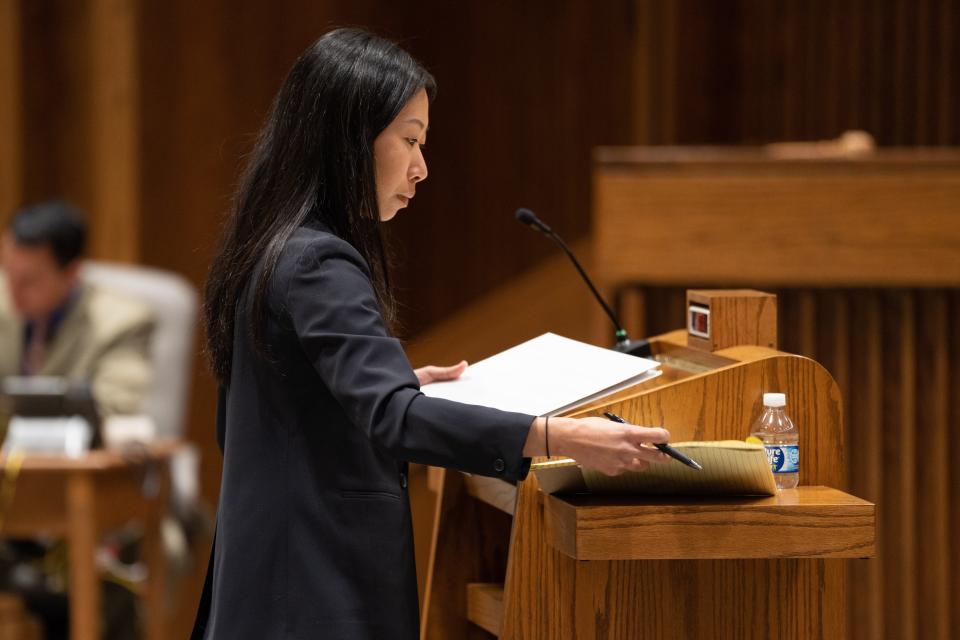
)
(314, 536)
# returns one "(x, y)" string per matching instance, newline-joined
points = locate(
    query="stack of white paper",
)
(547, 375)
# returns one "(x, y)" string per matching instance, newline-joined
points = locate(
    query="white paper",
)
(70, 436)
(545, 376)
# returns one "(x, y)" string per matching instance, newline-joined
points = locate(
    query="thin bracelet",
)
(546, 434)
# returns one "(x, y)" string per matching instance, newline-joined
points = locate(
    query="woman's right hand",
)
(597, 443)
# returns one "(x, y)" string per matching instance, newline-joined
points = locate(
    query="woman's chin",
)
(388, 215)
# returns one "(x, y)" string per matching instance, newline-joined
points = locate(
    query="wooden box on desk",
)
(721, 318)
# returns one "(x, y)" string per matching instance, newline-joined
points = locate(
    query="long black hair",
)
(312, 160)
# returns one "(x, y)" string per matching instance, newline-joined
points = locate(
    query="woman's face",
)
(398, 156)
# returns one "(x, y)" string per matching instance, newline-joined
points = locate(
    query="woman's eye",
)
(412, 141)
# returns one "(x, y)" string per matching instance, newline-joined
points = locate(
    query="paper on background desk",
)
(730, 468)
(547, 375)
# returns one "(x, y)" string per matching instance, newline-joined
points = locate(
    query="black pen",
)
(667, 449)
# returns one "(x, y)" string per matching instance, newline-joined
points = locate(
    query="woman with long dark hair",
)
(319, 409)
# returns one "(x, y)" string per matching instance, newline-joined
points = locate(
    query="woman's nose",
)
(418, 170)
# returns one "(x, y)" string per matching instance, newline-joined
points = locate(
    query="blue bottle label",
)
(784, 458)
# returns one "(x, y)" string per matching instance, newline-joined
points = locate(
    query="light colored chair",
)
(174, 303)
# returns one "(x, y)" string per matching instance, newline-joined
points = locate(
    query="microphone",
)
(623, 342)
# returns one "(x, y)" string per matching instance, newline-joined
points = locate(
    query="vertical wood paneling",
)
(900, 28)
(667, 68)
(55, 105)
(898, 517)
(807, 315)
(851, 36)
(800, 70)
(631, 310)
(10, 124)
(933, 463)
(114, 129)
(922, 96)
(945, 67)
(864, 402)
(524, 94)
(833, 319)
(953, 442)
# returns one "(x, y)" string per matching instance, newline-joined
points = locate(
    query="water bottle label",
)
(783, 458)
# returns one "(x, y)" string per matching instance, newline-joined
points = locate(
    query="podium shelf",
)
(485, 605)
(497, 493)
(806, 522)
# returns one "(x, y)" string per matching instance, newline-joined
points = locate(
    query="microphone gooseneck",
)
(529, 218)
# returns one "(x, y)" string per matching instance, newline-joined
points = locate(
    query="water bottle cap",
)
(774, 399)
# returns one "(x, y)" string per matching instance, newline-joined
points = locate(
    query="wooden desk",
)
(79, 500)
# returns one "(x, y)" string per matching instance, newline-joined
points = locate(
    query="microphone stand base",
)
(639, 348)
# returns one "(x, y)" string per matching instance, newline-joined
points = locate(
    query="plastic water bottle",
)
(781, 440)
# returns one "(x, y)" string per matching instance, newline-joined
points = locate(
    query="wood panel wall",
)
(75, 130)
(526, 89)
(10, 108)
(748, 71)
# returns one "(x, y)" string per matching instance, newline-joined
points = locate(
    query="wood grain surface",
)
(884, 325)
(492, 491)
(80, 500)
(485, 605)
(549, 594)
(801, 598)
(737, 317)
(807, 522)
(11, 125)
(779, 223)
(470, 546)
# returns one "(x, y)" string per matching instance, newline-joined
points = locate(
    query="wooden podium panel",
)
(808, 522)
(589, 567)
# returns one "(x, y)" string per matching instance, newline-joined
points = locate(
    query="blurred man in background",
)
(54, 324)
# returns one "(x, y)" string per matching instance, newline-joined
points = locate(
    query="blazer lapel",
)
(11, 345)
(11, 334)
(62, 353)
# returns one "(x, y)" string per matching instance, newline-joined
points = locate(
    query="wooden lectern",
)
(516, 563)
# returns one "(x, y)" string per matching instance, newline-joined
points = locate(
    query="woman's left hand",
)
(426, 375)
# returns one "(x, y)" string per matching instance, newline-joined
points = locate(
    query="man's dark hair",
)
(55, 224)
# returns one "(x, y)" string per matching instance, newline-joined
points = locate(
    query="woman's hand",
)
(597, 443)
(430, 374)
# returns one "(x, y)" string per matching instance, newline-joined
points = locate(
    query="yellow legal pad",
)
(730, 468)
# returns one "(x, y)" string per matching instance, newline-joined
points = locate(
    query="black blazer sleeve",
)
(333, 310)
